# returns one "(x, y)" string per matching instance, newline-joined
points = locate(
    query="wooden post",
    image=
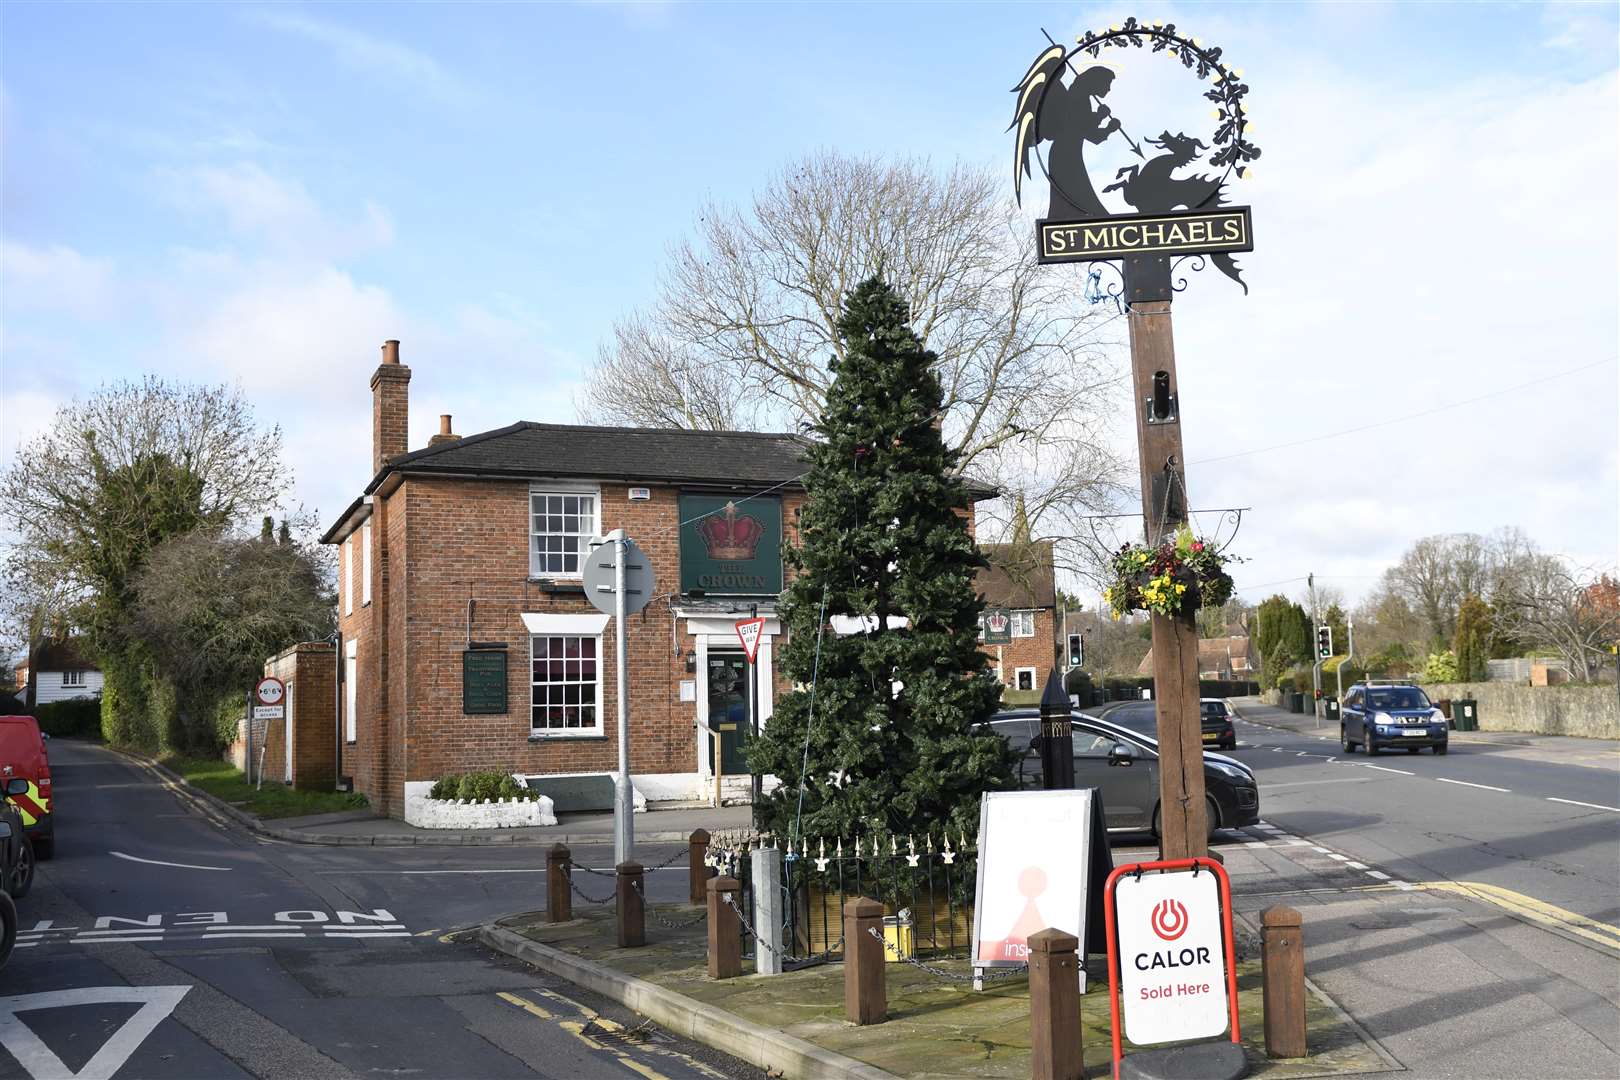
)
(697, 871)
(725, 931)
(629, 906)
(1054, 1006)
(559, 901)
(866, 993)
(1282, 965)
(1183, 818)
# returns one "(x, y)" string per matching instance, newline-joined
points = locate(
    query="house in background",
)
(64, 671)
(1224, 658)
(1020, 579)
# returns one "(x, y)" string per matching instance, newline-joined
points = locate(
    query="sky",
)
(263, 193)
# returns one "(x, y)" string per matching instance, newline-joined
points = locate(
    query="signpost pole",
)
(1182, 812)
(624, 806)
(247, 758)
(753, 717)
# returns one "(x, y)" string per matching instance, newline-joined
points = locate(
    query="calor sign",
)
(1172, 956)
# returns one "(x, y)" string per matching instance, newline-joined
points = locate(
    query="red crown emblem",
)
(731, 538)
(997, 622)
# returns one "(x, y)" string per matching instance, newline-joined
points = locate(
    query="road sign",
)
(598, 577)
(270, 691)
(748, 632)
(1170, 953)
(997, 623)
(268, 712)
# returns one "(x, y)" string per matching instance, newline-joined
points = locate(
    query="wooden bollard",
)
(559, 902)
(725, 931)
(1282, 966)
(629, 906)
(1054, 1006)
(697, 872)
(866, 990)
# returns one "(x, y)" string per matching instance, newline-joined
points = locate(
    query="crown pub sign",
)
(731, 547)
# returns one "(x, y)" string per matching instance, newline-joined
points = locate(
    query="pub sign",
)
(731, 547)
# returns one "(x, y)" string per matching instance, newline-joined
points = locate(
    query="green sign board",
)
(996, 622)
(483, 682)
(731, 547)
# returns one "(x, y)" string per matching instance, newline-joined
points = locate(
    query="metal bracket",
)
(1149, 414)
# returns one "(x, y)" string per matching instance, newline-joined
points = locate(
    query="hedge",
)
(77, 718)
(477, 786)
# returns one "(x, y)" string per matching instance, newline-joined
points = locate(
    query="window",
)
(348, 576)
(561, 524)
(350, 664)
(1023, 624)
(1087, 744)
(365, 562)
(72, 678)
(565, 695)
(1024, 678)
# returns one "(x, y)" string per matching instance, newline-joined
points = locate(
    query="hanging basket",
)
(1175, 578)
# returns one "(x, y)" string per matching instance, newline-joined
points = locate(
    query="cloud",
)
(397, 64)
(275, 212)
(54, 278)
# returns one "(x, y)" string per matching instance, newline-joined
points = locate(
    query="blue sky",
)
(265, 192)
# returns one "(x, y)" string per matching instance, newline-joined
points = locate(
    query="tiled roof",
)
(1019, 575)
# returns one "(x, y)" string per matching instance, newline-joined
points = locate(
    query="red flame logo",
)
(1169, 919)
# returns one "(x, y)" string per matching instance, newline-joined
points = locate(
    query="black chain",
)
(599, 873)
(672, 924)
(979, 973)
(748, 927)
(589, 899)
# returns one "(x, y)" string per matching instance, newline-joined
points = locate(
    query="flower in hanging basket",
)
(1178, 576)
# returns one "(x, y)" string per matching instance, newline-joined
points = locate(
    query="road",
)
(1463, 908)
(160, 944)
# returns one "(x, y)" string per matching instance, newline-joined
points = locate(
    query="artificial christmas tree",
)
(886, 732)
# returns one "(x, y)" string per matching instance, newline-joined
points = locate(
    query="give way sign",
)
(1173, 960)
(748, 632)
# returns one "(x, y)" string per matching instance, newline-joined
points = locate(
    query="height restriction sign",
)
(748, 632)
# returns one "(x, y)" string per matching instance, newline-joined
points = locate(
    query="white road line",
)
(160, 862)
(1379, 874)
(1588, 805)
(223, 927)
(112, 940)
(1356, 865)
(1320, 850)
(1382, 768)
(119, 931)
(1404, 886)
(25, 944)
(1256, 843)
(255, 934)
(1336, 855)
(374, 933)
(1309, 783)
(1465, 783)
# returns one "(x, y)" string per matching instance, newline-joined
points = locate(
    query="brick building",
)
(1020, 579)
(466, 641)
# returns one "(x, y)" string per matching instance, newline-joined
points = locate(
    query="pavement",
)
(166, 941)
(1461, 908)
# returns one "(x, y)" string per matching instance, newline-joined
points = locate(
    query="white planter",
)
(426, 813)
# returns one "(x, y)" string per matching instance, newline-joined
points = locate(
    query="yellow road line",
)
(592, 1018)
(526, 1005)
(1531, 909)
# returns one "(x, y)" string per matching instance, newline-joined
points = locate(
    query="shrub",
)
(1441, 667)
(79, 718)
(477, 786)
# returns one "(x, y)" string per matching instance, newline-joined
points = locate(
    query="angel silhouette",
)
(1069, 117)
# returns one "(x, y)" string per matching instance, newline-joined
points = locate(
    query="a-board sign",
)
(483, 682)
(1043, 858)
(269, 691)
(748, 632)
(1170, 951)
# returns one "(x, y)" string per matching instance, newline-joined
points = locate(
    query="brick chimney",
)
(445, 434)
(390, 407)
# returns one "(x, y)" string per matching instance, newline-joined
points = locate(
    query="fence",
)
(931, 877)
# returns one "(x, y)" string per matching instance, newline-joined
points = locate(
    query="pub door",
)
(728, 708)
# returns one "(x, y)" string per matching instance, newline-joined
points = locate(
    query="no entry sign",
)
(1170, 952)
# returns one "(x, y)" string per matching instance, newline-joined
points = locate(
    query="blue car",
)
(1390, 716)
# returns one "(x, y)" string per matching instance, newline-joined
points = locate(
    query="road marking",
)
(369, 933)
(526, 1005)
(349, 873)
(1588, 805)
(1321, 850)
(1531, 910)
(1356, 865)
(1465, 783)
(160, 862)
(1336, 855)
(1379, 874)
(1382, 768)
(40, 1061)
(1309, 783)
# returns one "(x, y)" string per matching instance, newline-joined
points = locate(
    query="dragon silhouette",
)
(1072, 117)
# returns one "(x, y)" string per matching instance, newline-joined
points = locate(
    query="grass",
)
(274, 800)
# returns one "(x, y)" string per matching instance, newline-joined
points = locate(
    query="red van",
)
(23, 756)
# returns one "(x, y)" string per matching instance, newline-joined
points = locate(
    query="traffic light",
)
(1077, 651)
(1324, 642)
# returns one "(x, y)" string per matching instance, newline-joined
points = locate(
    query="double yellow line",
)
(1531, 910)
(591, 1019)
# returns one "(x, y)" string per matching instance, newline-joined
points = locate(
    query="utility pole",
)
(1350, 629)
(1316, 664)
(1183, 817)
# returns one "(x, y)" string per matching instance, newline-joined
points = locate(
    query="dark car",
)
(1217, 723)
(16, 873)
(1124, 765)
(1390, 716)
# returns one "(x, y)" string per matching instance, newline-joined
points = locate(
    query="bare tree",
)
(743, 332)
(1550, 602)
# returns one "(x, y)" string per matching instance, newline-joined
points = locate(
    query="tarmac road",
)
(158, 944)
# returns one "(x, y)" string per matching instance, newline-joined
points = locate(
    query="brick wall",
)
(1039, 652)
